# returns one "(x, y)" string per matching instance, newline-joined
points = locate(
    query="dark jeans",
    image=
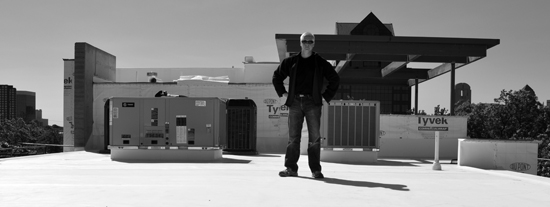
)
(304, 107)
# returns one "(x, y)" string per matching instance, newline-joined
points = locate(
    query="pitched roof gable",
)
(371, 26)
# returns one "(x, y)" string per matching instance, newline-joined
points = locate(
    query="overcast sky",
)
(36, 35)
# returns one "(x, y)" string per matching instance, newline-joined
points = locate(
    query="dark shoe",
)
(317, 175)
(288, 172)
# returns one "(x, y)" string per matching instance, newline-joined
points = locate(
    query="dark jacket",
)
(323, 69)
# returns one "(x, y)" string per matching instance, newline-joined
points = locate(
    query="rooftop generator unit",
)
(166, 122)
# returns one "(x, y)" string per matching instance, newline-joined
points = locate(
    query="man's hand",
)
(282, 99)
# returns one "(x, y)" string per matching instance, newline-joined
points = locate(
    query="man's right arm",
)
(279, 76)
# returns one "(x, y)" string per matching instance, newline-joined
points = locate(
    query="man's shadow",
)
(360, 183)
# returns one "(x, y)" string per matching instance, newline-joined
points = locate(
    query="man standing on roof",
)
(307, 71)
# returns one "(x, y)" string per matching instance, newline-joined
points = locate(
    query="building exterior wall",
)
(68, 104)
(125, 75)
(253, 72)
(26, 105)
(463, 94)
(7, 102)
(261, 72)
(89, 62)
(38, 114)
(41, 121)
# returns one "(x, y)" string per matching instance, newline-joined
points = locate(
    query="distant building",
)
(7, 102)
(26, 105)
(547, 102)
(463, 94)
(43, 122)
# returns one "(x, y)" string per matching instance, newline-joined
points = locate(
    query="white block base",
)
(513, 155)
(349, 157)
(164, 155)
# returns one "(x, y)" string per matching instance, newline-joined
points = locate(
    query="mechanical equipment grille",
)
(352, 124)
(241, 125)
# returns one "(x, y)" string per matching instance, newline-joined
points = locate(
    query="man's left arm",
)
(333, 82)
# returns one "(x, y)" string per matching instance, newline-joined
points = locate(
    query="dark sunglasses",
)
(308, 42)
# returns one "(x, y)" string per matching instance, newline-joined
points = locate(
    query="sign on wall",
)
(68, 104)
(422, 127)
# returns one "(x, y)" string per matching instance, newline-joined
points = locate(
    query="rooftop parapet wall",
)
(89, 62)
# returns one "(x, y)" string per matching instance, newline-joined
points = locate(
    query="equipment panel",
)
(195, 121)
(153, 122)
(124, 115)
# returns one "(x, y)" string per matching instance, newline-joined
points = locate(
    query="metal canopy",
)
(397, 51)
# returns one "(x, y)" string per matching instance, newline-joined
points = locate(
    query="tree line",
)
(14, 132)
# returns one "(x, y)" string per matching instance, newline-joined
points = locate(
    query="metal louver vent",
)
(352, 124)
